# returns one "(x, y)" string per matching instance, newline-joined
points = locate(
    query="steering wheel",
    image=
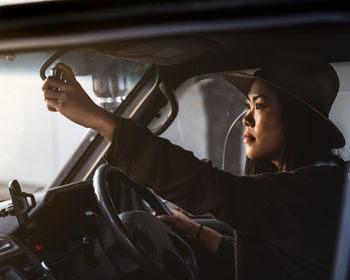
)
(146, 245)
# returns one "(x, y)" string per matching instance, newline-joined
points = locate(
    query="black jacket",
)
(285, 222)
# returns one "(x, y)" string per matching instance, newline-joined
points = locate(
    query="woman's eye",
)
(247, 106)
(258, 106)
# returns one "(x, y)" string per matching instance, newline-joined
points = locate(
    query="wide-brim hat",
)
(308, 79)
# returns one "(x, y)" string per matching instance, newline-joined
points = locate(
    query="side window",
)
(340, 113)
(208, 105)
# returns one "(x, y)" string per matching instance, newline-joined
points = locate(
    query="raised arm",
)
(73, 102)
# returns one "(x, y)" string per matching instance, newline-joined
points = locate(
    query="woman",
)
(284, 211)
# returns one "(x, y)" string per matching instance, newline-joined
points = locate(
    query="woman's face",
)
(264, 131)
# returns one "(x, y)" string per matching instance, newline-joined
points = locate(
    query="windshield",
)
(35, 143)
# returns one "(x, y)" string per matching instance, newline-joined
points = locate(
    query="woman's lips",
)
(248, 138)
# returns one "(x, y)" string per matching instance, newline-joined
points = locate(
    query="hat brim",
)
(244, 81)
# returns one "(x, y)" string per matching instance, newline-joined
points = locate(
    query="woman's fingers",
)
(173, 211)
(68, 78)
(52, 82)
(53, 105)
(181, 222)
(176, 212)
(52, 94)
(68, 72)
(177, 217)
(167, 219)
(52, 99)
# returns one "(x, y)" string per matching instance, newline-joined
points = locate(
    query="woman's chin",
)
(251, 155)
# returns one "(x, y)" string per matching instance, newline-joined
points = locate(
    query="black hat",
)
(310, 80)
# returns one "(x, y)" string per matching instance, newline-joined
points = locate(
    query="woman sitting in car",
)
(285, 209)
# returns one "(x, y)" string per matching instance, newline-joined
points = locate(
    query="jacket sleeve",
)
(173, 173)
(226, 249)
(270, 206)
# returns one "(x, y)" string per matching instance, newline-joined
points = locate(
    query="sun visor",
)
(163, 52)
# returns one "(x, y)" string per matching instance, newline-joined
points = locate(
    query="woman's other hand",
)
(182, 223)
(72, 102)
(208, 238)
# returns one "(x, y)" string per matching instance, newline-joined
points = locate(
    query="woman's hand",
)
(72, 102)
(208, 238)
(182, 223)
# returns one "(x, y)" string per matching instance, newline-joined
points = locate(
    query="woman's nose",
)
(248, 119)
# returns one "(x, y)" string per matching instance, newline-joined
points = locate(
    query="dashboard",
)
(66, 238)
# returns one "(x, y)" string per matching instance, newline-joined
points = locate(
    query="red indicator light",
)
(95, 214)
(39, 247)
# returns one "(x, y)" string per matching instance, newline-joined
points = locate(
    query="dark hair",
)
(306, 139)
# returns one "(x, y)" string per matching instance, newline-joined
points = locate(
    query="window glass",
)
(340, 113)
(35, 143)
(208, 106)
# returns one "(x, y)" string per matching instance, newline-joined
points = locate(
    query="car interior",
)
(66, 213)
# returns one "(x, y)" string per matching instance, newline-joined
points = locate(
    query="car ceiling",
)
(195, 55)
(209, 42)
(330, 41)
(64, 23)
